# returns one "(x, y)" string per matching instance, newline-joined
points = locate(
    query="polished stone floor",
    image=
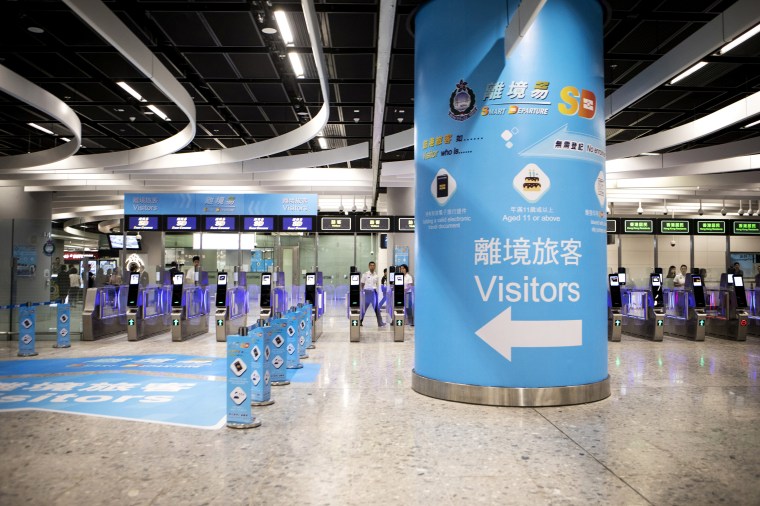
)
(682, 427)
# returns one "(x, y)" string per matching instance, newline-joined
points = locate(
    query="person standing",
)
(384, 288)
(63, 282)
(190, 276)
(369, 284)
(738, 270)
(75, 282)
(680, 278)
(408, 294)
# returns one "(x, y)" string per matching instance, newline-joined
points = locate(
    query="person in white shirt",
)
(369, 284)
(190, 275)
(680, 279)
(408, 294)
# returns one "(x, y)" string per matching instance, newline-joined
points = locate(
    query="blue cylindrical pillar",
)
(510, 205)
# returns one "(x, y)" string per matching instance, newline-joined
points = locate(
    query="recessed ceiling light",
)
(118, 109)
(65, 139)
(131, 91)
(302, 113)
(322, 142)
(282, 22)
(752, 124)
(295, 62)
(159, 112)
(742, 38)
(35, 29)
(269, 30)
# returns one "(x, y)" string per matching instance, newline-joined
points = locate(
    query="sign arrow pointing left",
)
(503, 333)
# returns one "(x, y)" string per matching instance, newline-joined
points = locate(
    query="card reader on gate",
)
(615, 318)
(399, 314)
(265, 300)
(354, 306)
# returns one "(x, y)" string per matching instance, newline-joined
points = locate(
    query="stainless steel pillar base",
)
(56, 346)
(263, 403)
(30, 354)
(310, 347)
(255, 423)
(511, 396)
(280, 383)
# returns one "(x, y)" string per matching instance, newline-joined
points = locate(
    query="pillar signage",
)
(143, 222)
(220, 224)
(747, 227)
(27, 336)
(711, 227)
(612, 226)
(258, 224)
(375, 224)
(511, 196)
(181, 224)
(297, 224)
(674, 227)
(405, 224)
(638, 227)
(336, 224)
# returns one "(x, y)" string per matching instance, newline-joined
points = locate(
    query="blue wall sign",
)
(239, 370)
(509, 159)
(278, 204)
(26, 331)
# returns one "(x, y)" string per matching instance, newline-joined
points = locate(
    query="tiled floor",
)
(682, 427)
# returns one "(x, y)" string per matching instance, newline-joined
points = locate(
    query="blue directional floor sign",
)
(173, 401)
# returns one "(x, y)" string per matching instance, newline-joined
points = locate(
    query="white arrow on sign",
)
(502, 333)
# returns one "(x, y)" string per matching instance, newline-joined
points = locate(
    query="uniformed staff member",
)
(370, 283)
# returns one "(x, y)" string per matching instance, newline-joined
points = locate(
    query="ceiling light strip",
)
(737, 112)
(111, 28)
(290, 140)
(731, 23)
(29, 93)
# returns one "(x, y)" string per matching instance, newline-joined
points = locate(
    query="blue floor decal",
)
(308, 374)
(174, 401)
(205, 366)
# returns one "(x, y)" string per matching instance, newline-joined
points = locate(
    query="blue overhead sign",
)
(258, 224)
(298, 224)
(277, 204)
(181, 223)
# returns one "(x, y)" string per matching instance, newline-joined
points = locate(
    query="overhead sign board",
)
(181, 223)
(747, 227)
(143, 223)
(717, 227)
(405, 224)
(297, 224)
(220, 224)
(675, 227)
(336, 224)
(638, 227)
(258, 224)
(374, 224)
(256, 204)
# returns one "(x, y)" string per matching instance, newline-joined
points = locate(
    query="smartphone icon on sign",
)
(442, 186)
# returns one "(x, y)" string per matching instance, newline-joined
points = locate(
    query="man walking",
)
(370, 283)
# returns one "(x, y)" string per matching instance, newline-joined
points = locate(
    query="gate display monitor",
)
(134, 285)
(266, 290)
(699, 292)
(656, 284)
(221, 289)
(615, 298)
(311, 279)
(741, 297)
(730, 279)
(398, 290)
(177, 283)
(354, 298)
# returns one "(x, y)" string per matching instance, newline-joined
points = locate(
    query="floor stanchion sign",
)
(301, 332)
(63, 339)
(294, 362)
(26, 331)
(276, 341)
(306, 322)
(239, 366)
(261, 388)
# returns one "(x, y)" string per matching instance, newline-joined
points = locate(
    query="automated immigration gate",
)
(231, 305)
(147, 309)
(686, 310)
(645, 312)
(313, 295)
(399, 315)
(354, 306)
(727, 315)
(615, 309)
(104, 312)
(190, 309)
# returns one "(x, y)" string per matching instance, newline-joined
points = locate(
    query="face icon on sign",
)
(298, 222)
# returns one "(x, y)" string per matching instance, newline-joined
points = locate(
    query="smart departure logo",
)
(574, 102)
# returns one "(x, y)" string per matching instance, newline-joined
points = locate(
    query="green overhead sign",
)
(711, 227)
(638, 227)
(674, 227)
